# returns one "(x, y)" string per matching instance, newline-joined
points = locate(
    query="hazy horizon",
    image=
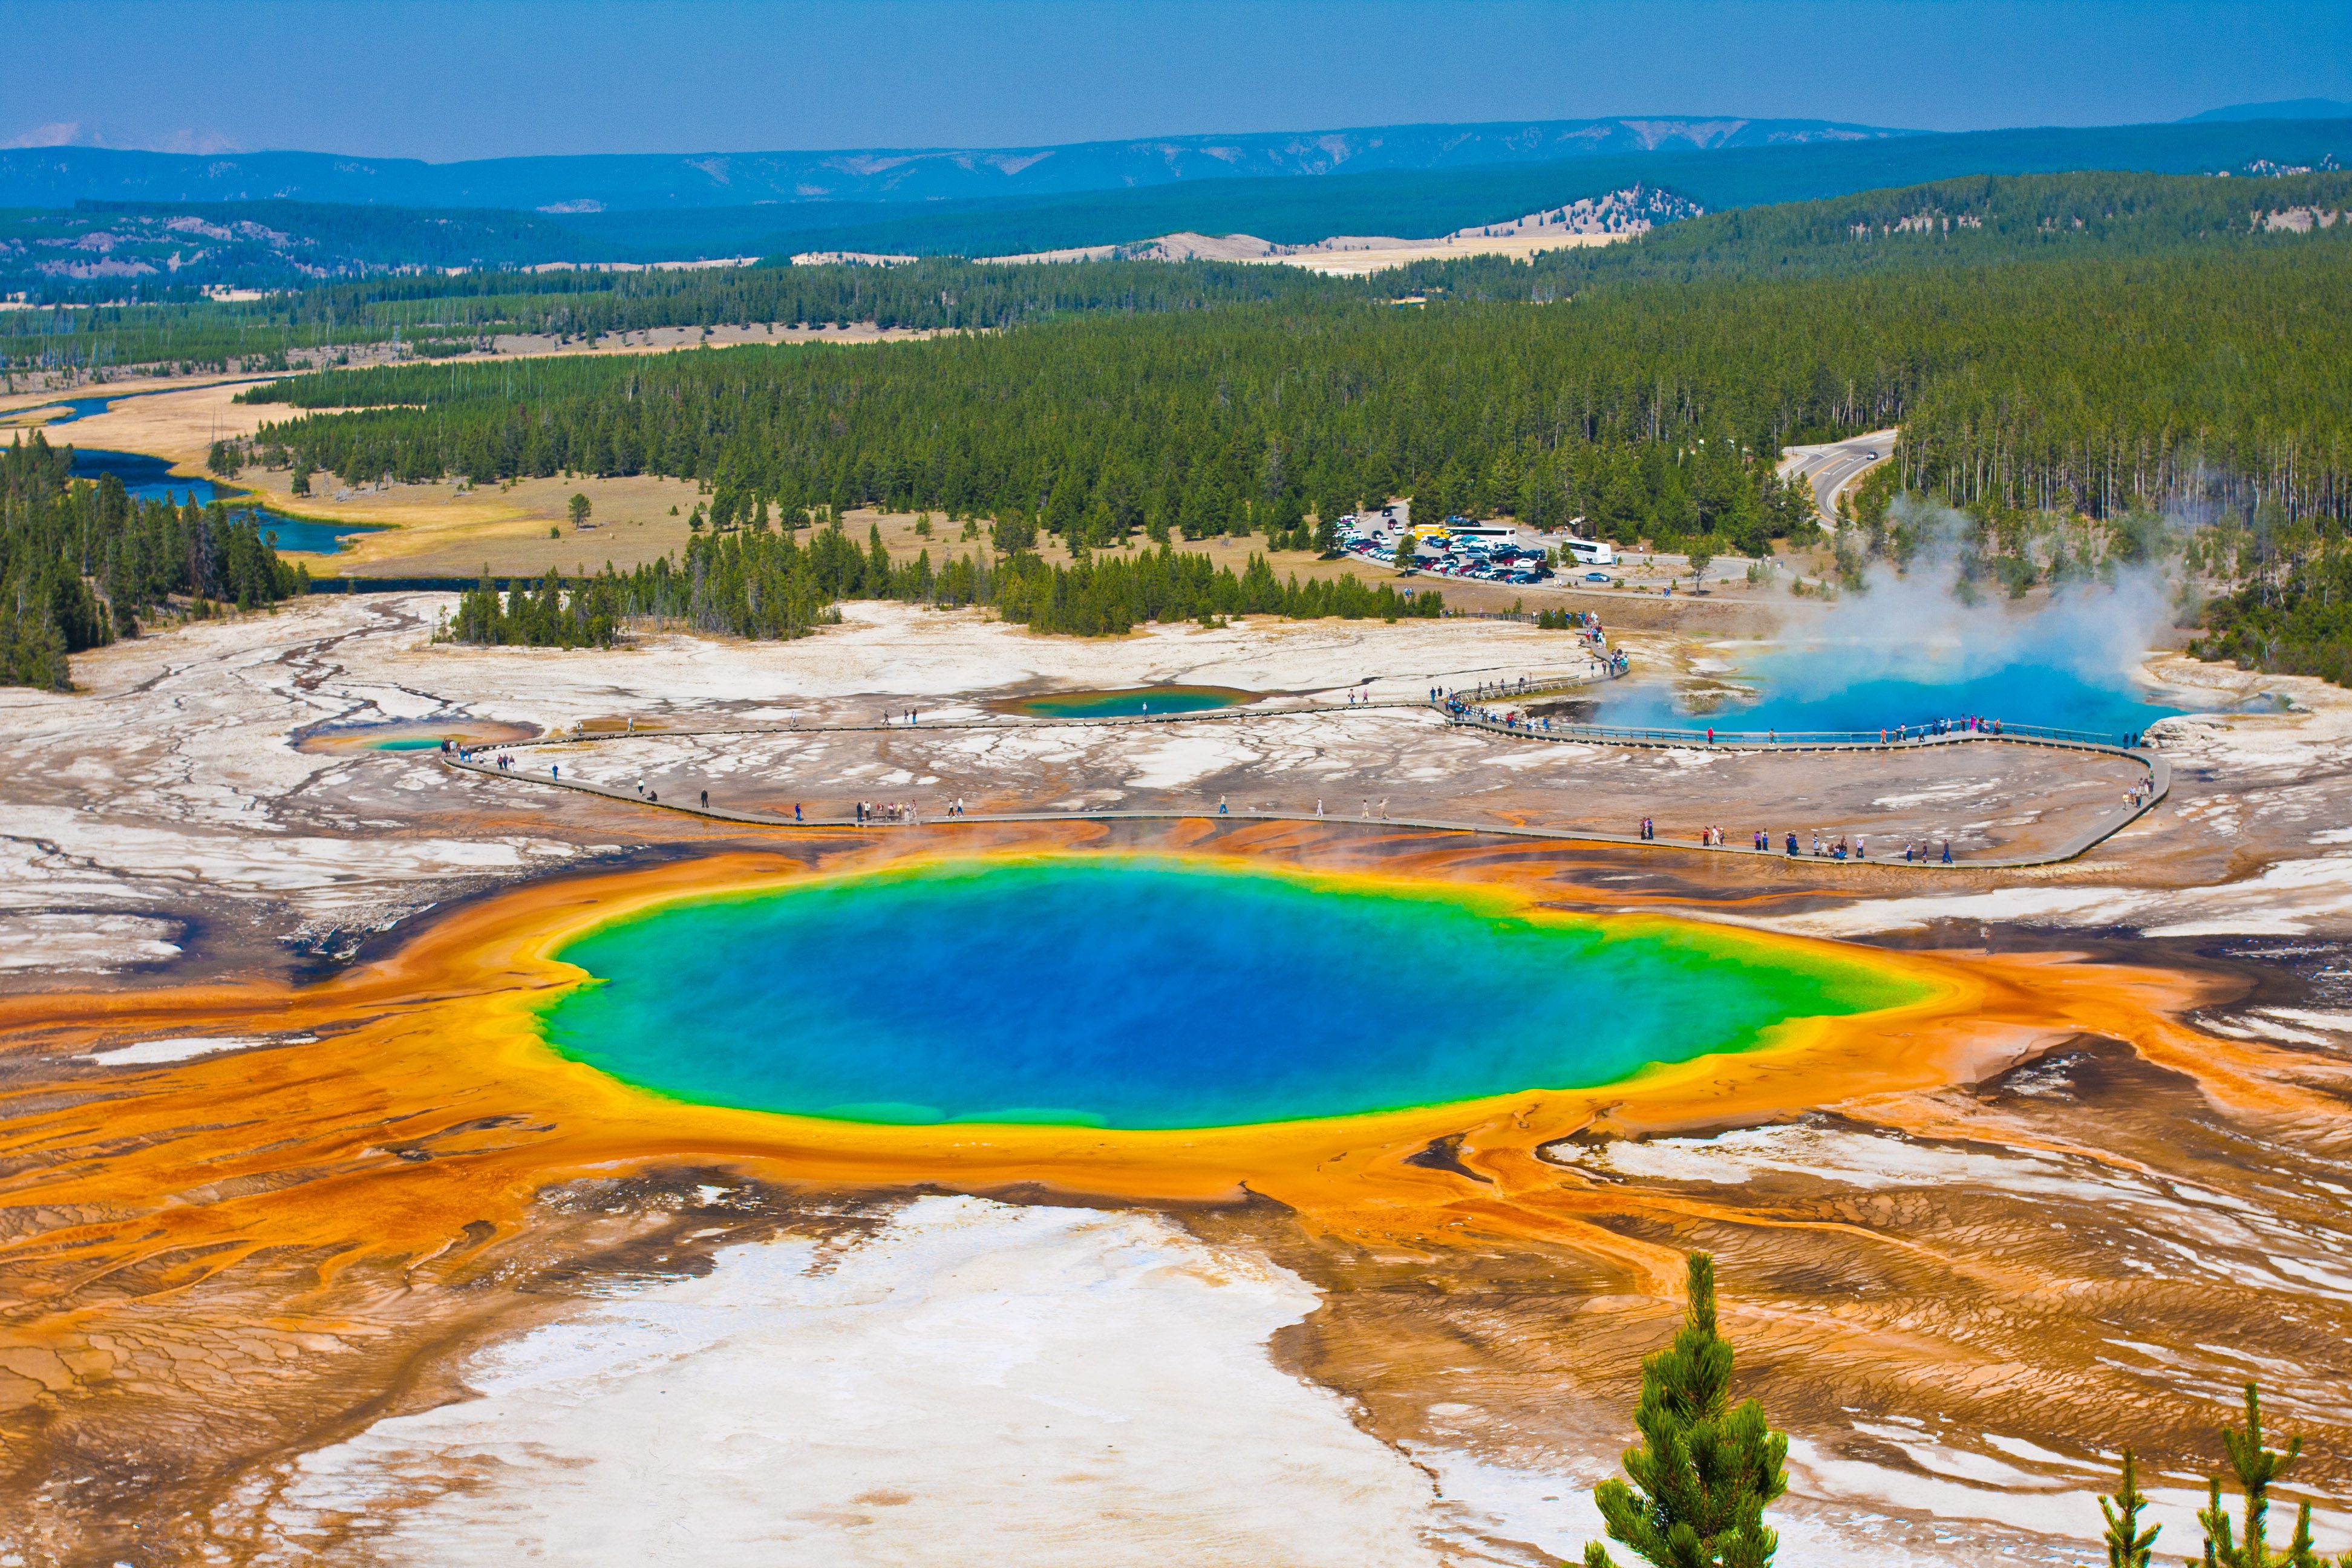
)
(447, 82)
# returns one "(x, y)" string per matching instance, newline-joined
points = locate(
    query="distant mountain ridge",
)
(108, 250)
(59, 176)
(2284, 109)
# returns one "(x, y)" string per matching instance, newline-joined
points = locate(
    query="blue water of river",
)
(75, 408)
(151, 479)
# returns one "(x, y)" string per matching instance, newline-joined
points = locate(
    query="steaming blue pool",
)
(1796, 695)
(1908, 654)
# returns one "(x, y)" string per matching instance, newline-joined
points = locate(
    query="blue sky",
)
(445, 80)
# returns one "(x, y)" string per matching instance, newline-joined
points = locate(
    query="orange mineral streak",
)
(430, 1113)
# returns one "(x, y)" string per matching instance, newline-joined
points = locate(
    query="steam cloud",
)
(1918, 627)
(1909, 647)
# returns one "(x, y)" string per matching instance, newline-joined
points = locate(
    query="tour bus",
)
(1590, 552)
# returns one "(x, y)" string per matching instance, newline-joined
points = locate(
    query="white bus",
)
(1590, 552)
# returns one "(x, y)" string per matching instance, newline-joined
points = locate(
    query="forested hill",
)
(103, 250)
(1983, 220)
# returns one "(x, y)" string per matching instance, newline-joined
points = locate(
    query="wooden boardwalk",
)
(2159, 779)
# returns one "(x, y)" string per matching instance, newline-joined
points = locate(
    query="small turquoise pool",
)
(1130, 702)
(1147, 993)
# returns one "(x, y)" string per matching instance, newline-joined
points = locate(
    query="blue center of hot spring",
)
(1128, 702)
(1148, 994)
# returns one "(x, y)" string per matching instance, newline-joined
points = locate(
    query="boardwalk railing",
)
(1794, 739)
(2158, 784)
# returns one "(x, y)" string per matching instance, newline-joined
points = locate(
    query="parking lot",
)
(1481, 552)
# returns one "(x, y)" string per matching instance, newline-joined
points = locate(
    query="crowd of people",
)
(1919, 852)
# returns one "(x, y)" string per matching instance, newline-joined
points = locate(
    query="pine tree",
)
(1706, 1474)
(2256, 1468)
(2128, 1546)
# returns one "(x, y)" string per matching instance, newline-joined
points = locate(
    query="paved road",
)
(1832, 467)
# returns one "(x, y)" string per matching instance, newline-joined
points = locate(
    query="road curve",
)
(1830, 469)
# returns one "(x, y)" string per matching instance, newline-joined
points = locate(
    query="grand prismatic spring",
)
(1158, 993)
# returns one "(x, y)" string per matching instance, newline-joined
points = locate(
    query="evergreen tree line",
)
(433, 313)
(1703, 1470)
(752, 582)
(82, 564)
(2293, 618)
(1651, 411)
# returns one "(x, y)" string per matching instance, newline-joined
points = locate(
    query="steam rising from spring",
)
(1932, 643)
(1927, 626)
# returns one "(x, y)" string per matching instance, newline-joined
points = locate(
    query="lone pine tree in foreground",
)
(1706, 1475)
(2257, 1467)
(2128, 1546)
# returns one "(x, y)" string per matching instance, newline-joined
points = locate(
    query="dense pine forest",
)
(436, 316)
(1203, 424)
(1651, 410)
(2294, 612)
(756, 583)
(81, 564)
